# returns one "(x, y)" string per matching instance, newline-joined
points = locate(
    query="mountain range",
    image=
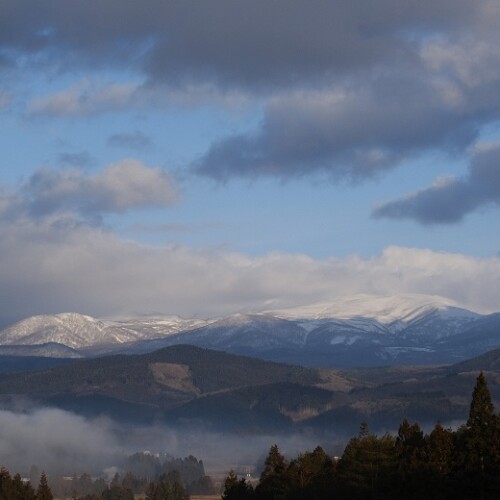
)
(355, 331)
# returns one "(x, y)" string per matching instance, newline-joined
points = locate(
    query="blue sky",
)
(205, 158)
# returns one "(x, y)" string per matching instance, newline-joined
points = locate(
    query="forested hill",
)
(181, 385)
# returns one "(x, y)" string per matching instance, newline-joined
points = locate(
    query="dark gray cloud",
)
(449, 200)
(348, 131)
(349, 89)
(225, 40)
(133, 140)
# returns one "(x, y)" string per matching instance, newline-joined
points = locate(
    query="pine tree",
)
(22, 491)
(275, 463)
(6, 486)
(43, 492)
(230, 484)
(412, 458)
(367, 468)
(311, 475)
(477, 451)
(481, 414)
(273, 482)
(439, 447)
(236, 489)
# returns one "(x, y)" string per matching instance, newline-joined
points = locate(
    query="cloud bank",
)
(55, 264)
(57, 257)
(348, 89)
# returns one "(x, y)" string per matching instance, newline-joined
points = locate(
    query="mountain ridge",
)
(359, 330)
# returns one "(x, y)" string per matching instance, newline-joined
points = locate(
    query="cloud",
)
(84, 99)
(5, 99)
(345, 132)
(91, 98)
(276, 43)
(56, 263)
(449, 200)
(81, 159)
(348, 90)
(55, 440)
(134, 140)
(120, 187)
(63, 443)
(169, 228)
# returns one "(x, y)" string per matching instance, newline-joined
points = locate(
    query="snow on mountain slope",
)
(384, 309)
(71, 329)
(78, 331)
(256, 331)
(390, 314)
(356, 330)
(156, 327)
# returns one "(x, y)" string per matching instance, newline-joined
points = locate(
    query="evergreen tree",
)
(21, 490)
(99, 486)
(43, 491)
(230, 484)
(168, 487)
(477, 450)
(273, 482)
(311, 476)
(6, 486)
(481, 414)
(367, 468)
(275, 463)
(236, 489)
(412, 458)
(439, 461)
(116, 492)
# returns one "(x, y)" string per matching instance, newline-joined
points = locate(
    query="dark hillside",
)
(190, 385)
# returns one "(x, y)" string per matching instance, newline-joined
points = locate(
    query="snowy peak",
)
(386, 310)
(77, 330)
(355, 331)
(71, 329)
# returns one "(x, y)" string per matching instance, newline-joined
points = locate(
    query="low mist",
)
(63, 443)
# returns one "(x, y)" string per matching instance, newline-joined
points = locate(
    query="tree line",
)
(14, 488)
(461, 464)
(152, 477)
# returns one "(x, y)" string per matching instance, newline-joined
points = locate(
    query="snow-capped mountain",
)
(359, 330)
(78, 331)
(382, 314)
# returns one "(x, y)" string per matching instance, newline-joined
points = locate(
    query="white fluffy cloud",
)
(54, 265)
(128, 184)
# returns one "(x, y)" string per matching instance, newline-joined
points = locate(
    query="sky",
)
(205, 158)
